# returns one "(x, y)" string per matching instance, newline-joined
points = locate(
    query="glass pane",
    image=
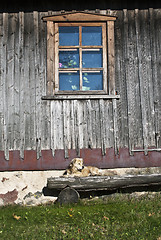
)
(68, 36)
(91, 36)
(92, 81)
(69, 59)
(69, 81)
(92, 59)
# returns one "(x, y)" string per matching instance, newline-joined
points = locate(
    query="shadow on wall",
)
(102, 193)
(68, 5)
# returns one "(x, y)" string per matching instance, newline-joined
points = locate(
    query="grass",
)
(111, 219)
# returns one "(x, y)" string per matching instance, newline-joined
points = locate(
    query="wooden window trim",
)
(80, 47)
(108, 59)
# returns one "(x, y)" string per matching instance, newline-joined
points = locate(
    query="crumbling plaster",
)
(26, 187)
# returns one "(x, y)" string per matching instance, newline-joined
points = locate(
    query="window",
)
(80, 50)
(80, 54)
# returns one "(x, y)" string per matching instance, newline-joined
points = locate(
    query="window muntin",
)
(81, 57)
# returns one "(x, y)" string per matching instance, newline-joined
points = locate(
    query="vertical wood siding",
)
(27, 122)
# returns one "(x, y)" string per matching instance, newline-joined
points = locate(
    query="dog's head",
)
(76, 164)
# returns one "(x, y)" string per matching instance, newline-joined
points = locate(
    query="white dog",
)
(77, 168)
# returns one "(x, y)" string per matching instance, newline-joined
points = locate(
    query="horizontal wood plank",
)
(73, 97)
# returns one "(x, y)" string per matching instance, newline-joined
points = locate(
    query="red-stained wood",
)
(92, 157)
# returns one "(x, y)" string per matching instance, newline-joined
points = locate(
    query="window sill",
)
(80, 97)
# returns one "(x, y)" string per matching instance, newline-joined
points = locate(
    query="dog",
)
(76, 168)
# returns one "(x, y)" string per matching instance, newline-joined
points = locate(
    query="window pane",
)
(68, 36)
(91, 36)
(92, 81)
(68, 59)
(92, 59)
(69, 81)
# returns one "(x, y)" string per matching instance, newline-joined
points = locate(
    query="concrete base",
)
(26, 187)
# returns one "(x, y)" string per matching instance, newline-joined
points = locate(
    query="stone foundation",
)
(27, 187)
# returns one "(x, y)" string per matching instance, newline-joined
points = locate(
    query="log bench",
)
(71, 186)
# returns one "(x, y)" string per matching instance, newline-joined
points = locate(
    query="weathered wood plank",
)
(94, 105)
(153, 43)
(1, 86)
(121, 85)
(130, 79)
(104, 182)
(10, 79)
(85, 126)
(21, 82)
(5, 98)
(108, 121)
(148, 82)
(80, 124)
(37, 84)
(115, 126)
(45, 108)
(32, 85)
(28, 31)
(102, 125)
(66, 127)
(16, 144)
(57, 128)
(97, 128)
(141, 75)
(157, 83)
(89, 124)
(76, 127)
(53, 127)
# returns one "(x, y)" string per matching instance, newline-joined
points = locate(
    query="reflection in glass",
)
(92, 59)
(69, 81)
(91, 36)
(68, 36)
(92, 81)
(68, 59)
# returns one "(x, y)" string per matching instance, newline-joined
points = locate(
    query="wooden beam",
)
(103, 182)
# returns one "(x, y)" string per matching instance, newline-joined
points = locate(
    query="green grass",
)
(112, 219)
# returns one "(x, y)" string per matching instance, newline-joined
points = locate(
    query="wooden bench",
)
(71, 186)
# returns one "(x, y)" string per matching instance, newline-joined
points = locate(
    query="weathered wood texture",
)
(104, 182)
(28, 122)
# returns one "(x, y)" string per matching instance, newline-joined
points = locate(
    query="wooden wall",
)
(28, 122)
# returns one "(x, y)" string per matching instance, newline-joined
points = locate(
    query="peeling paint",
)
(9, 197)
(4, 179)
